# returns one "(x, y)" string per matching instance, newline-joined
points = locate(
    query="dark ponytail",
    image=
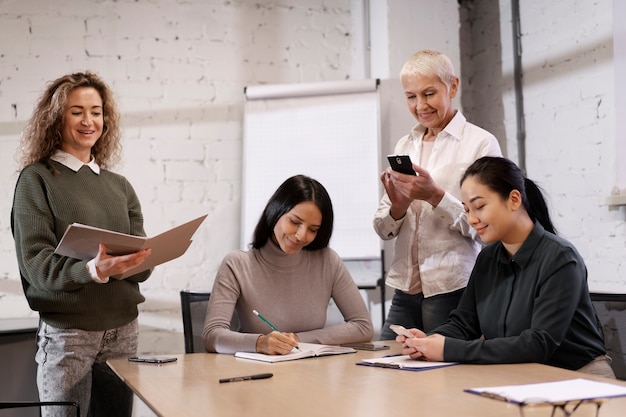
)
(536, 206)
(502, 176)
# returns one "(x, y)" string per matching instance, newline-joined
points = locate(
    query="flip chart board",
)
(329, 131)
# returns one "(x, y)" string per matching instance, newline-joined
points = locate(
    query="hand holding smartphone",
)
(401, 163)
(401, 330)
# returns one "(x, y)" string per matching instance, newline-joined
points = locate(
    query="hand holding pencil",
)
(276, 342)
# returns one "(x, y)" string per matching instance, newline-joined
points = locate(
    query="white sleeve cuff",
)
(93, 271)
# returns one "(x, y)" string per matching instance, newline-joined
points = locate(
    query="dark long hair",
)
(295, 190)
(502, 176)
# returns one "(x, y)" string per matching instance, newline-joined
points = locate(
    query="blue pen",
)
(268, 323)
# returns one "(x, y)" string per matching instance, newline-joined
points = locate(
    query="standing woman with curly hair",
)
(87, 315)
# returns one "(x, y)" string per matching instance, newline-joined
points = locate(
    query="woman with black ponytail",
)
(527, 299)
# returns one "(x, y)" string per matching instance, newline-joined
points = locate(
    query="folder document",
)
(578, 389)
(81, 242)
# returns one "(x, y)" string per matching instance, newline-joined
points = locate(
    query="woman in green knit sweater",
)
(87, 316)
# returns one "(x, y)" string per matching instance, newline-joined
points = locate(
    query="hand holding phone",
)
(401, 163)
(401, 330)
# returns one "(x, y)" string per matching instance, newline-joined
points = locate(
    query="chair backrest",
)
(193, 305)
(611, 310)
(28, 404)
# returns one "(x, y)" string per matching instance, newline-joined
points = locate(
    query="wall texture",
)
(569, 104)
(568, 83)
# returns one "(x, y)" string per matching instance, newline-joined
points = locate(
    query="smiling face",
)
(83, 121)
(298, 227)
(429, 99)
(493, 217)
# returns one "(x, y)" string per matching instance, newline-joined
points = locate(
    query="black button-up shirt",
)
(533, 307)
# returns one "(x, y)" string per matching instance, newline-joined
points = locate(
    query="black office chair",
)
(28, 404)
(611, 310)
(193, 305)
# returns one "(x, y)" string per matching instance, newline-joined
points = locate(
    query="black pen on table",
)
(246, 378)
(266, 321)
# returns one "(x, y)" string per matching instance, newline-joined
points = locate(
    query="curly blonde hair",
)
(42, 136)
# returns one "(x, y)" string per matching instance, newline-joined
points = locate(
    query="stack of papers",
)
(552, 392)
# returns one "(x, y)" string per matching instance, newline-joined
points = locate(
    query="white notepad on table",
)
(307, 350)
(404, 362)
(552, 392)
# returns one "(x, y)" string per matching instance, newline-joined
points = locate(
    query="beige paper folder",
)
(81, 242)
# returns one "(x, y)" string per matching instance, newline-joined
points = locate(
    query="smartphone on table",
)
(401, 163)
(401, 330)
(153, 359)
(366, 346)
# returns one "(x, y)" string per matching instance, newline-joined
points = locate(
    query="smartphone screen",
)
(152, 359)
(401, 163)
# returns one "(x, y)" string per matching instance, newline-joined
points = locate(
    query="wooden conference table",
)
(334, 386)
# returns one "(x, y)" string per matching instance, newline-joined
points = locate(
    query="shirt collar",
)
(454, 128)
(74, 163)
(525, 252)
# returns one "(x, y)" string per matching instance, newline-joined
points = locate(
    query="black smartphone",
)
(152, 359)
(366, 346)
(401, 163)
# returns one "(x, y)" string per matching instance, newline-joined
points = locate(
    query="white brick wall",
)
(569, 110)
(178, 70)
(570, 121)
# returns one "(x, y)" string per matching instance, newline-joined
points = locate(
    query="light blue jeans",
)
(415, 311)
(72, 367)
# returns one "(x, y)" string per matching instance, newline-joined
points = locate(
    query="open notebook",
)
(307, 350)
